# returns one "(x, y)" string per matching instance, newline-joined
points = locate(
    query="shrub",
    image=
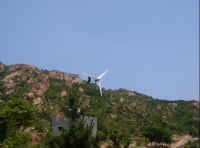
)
(158, 135)
(15, 114)
(73, 101)
(115, 137)
(101, 136)
(19, 140)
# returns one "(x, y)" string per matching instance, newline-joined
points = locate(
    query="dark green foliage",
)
(42, 125)
(15, 114)
(72, 102)
(125, 139)
(115, 137)
(79, 135)
(91, 90)
(184, 120)
(54, 90)
(2, 74)
(120, 138)
(101, 136)
(22, 89)
(18, 140)
(52, 141)
(150, 134)
(103, 125)
(158, 135)
(2, 91)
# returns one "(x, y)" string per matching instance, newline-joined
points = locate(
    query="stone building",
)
(60, 122)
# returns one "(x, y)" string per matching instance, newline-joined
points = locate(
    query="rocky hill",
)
(31, 82)
(127, 111)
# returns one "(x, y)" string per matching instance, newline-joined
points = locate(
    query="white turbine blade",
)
(100, 88)
(100, 76)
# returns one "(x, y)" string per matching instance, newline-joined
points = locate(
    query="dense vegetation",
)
(121, 114)
(158, 135)
(15, 116)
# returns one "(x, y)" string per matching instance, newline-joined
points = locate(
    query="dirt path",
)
(182, 141)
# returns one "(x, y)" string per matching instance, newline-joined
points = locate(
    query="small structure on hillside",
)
(60, 122)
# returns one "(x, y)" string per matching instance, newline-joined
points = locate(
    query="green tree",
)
(158, 135)
(79, 135)
(100, 136)
(72, 108)
(150, 134)
(16, 113)
(167, 136)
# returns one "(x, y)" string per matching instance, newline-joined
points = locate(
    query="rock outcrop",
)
(29, 78)
(68, 78)
(33, 81)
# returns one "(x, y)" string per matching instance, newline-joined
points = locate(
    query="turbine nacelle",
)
(96, 79)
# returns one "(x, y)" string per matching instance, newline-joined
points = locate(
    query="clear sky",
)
(150, 46)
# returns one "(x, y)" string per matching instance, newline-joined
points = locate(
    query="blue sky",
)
(150, 46)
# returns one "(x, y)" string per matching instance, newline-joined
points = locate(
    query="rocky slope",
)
(31, 81)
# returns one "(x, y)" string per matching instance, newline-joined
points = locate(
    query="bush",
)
(19, 140)
(115, 137)
(125, 139)
(15, 114)
(158, 135)
(51, 141)
(79, 135)
(73, 103)
(101, 136)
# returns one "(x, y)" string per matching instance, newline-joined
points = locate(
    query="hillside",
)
(127, 111)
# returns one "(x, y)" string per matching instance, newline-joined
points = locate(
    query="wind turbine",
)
(96, 79)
